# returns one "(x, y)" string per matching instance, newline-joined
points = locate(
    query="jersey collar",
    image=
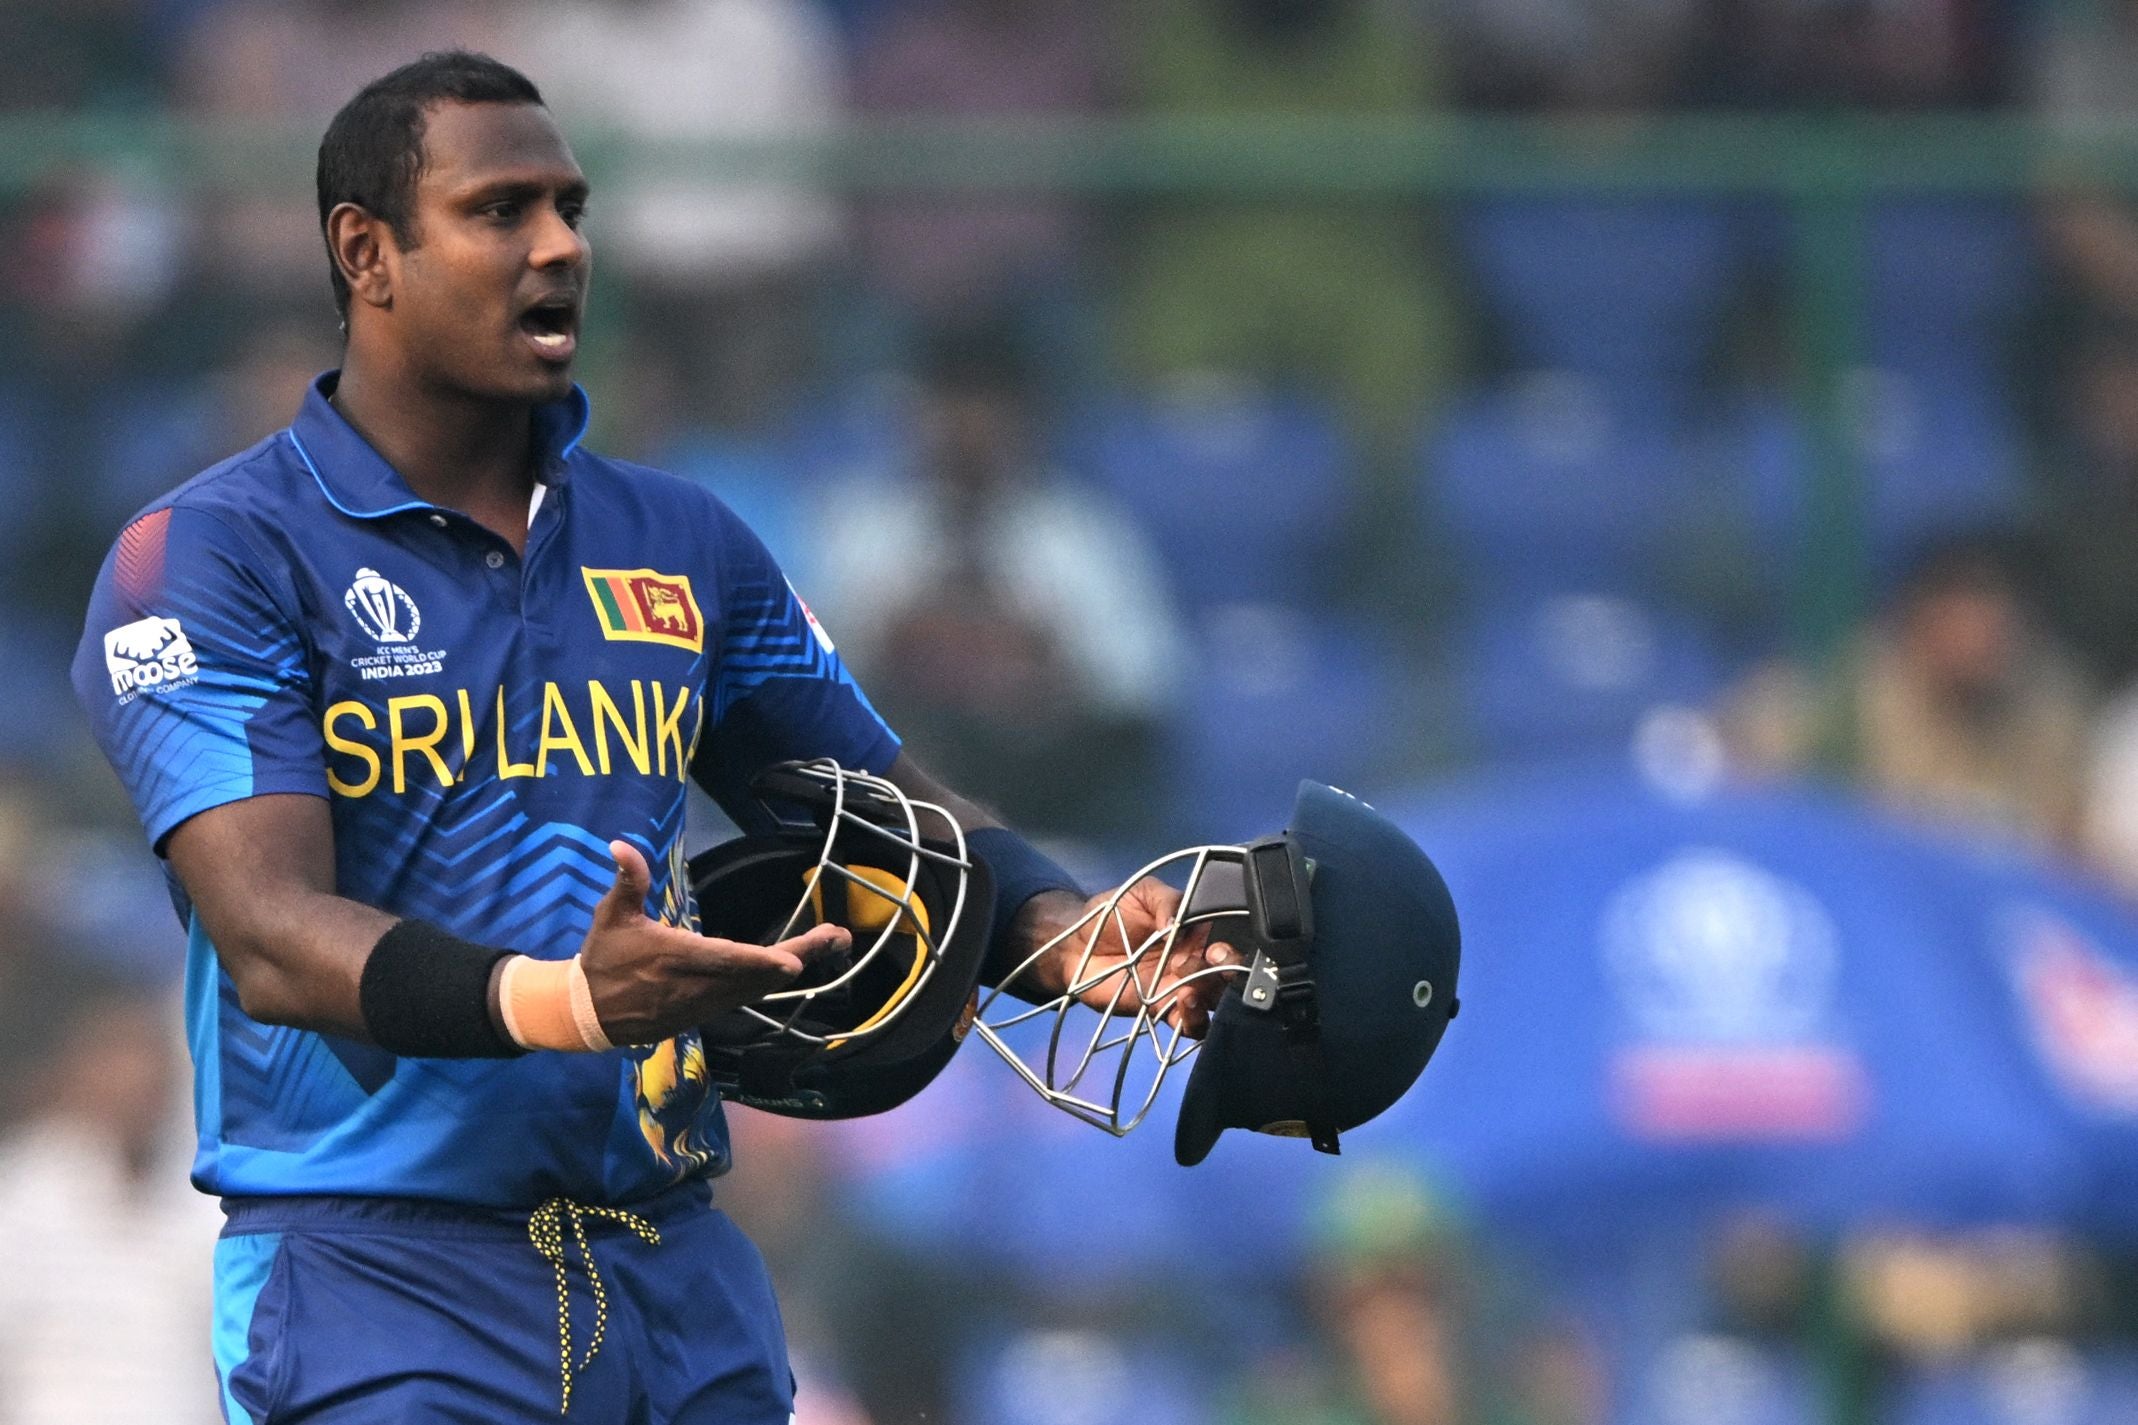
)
(357, 480)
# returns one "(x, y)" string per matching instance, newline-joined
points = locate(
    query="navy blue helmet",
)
(1344, 982)
(1355, 950)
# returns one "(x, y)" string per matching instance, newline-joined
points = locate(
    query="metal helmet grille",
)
(1101, 1050)
(869, 823)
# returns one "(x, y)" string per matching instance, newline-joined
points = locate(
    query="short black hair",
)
(372, 154)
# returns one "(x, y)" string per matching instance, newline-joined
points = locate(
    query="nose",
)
(558, 244)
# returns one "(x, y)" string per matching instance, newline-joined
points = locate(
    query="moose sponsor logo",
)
(150, 655)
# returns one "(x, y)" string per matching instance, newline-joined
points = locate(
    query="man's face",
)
(487, 301)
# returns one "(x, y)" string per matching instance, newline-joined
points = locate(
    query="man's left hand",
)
(1145, 910)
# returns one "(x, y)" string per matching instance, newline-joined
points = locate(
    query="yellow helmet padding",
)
(867, 913)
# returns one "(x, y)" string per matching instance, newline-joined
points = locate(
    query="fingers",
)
(625, 903)
(1196, 1000)
(1182, 990)
(762, 966)
(1120, 975)
(649, 979)
(1148, 907)
(710, 955)
(814, 943)
(626, 897)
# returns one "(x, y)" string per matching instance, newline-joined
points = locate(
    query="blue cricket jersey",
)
(295, 619)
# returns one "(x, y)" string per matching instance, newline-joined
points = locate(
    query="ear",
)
(364, 248)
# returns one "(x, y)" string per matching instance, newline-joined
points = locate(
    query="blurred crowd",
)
(1131, 504)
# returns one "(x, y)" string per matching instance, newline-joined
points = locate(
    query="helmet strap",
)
(1279, 877)
(1287, 991)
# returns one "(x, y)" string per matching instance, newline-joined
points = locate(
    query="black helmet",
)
(863, 1031)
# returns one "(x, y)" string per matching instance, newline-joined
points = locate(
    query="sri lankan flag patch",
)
(646, 607)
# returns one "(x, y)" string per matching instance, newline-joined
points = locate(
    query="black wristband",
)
(425, 994)
(1021, 871)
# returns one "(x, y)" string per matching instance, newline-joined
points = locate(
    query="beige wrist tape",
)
(547, 1004)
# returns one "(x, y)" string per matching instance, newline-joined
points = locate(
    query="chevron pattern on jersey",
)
(507, 882)
(479, 866)
(425, 855)
(138, 564)
(551, 886)
(281, 1087)
(768, 637)
(187, 746)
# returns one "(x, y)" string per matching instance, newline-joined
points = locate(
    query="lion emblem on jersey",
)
(666, 609)
(646, 605)
(671, 1091)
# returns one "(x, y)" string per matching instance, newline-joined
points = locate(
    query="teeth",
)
(550, 341)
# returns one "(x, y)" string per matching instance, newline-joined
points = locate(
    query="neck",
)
(455, 450)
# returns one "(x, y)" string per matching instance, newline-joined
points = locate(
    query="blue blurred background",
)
(1680, 457)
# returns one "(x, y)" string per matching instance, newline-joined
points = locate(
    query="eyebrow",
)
(524, 189)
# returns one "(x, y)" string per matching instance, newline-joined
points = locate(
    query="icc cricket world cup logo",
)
(382, 608)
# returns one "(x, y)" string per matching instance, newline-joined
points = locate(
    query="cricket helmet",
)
(1345, 981)
(864, 1030)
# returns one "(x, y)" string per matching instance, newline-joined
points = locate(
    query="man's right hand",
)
(651, 980)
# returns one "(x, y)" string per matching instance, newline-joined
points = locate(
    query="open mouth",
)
(552, 326)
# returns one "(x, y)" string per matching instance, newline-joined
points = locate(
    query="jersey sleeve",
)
(779, 691)
(193, 674)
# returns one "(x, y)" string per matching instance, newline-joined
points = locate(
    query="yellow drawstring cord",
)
(546, 1229)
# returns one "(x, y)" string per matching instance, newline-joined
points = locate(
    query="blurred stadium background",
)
(1681, 455)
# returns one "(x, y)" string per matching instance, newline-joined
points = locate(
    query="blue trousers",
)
(363, 1311)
